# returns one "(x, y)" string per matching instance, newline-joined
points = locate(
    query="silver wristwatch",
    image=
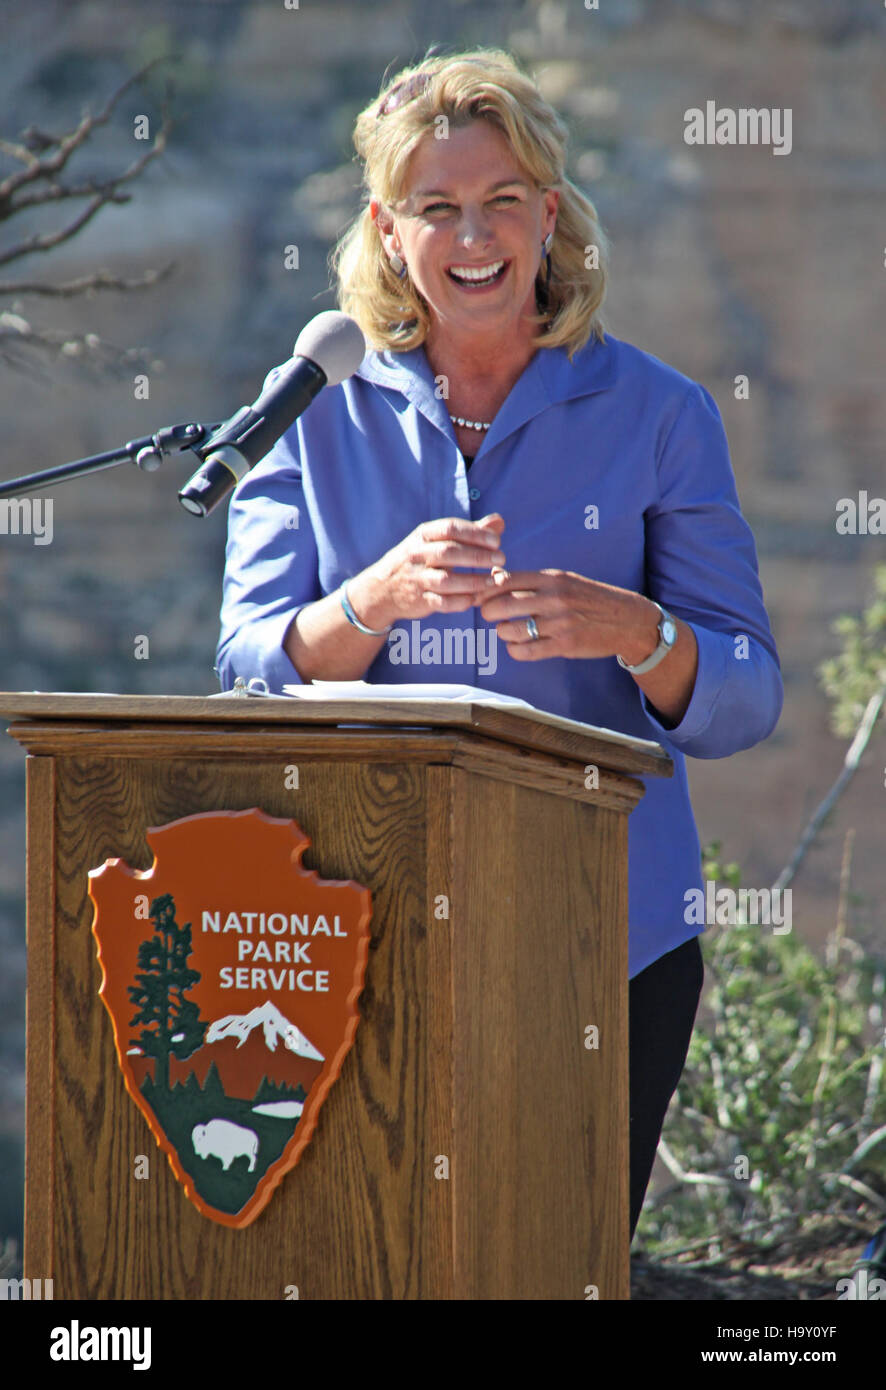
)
(667, 636)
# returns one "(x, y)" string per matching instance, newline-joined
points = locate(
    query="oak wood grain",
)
(499, 892)
(530, 728)
(484, 756)
(40, 1020)
(541, 1121)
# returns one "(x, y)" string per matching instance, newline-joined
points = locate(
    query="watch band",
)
(661, 650)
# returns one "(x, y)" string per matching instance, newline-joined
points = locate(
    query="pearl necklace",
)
(471, 424)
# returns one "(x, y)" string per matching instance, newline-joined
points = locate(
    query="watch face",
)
(669, 631)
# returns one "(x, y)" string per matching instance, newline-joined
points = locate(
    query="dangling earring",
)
(398, 266)
(546, 248)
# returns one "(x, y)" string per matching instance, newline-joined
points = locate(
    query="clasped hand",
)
(574, 616)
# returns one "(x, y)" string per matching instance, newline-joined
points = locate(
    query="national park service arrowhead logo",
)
(231, 975)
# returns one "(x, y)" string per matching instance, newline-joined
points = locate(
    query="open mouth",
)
(471, 277)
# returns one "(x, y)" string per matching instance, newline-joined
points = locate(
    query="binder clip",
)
(256, 685)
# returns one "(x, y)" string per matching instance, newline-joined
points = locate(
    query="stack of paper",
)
(340, 690)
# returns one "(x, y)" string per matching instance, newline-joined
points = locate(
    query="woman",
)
(504, 483)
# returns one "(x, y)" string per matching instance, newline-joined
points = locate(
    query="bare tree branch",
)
(850, 763)
(49, 165)
(52, 239)
(25, 348)
(105, 193)
(41, 181)
(861, 1189)
(672, 1163)
(56, 191)
(101, 280)
(864, 1149)
(19, 152)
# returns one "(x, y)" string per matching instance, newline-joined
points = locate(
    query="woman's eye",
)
(502, 199)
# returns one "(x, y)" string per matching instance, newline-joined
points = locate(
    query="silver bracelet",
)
(352, 616)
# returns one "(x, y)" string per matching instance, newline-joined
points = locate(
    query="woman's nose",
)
(475, 229)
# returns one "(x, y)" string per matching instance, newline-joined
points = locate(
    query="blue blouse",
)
(614, 466)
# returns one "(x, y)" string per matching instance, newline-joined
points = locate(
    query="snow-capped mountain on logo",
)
(276, 1028)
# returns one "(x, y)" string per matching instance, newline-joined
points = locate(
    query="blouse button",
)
(473, 493)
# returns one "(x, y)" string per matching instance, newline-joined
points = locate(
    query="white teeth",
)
(475, 273)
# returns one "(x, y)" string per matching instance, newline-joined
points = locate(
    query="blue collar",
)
(548, 378)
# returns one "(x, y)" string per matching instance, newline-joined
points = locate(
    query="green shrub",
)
(782, 1085)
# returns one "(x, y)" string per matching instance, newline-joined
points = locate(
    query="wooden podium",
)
(493, 1034)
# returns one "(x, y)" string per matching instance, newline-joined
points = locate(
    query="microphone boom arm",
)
(147, 453)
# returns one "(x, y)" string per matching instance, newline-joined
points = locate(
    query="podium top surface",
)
(530, 728)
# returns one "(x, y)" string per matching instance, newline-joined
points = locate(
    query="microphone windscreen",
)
(334, 342)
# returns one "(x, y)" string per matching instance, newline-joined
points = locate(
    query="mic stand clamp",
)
(169, 439)
(147, 453)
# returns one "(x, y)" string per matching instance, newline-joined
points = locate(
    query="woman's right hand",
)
(429, 570)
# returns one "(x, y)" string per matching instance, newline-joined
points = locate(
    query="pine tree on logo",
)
(172, 1024)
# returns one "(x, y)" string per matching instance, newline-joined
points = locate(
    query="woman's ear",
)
(381, 217)
(552, 199)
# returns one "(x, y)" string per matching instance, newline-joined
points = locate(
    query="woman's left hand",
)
(575, 616)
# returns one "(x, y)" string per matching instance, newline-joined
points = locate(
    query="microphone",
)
(328, 349)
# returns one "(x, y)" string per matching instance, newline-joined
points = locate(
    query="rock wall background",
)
(726, 260)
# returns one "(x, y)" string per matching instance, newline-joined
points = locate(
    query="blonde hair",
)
(482, 84)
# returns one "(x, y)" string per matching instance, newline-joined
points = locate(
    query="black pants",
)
(663, 1000)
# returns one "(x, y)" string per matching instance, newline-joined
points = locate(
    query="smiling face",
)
(470, 228)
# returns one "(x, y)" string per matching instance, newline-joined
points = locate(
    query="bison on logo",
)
(231, 975)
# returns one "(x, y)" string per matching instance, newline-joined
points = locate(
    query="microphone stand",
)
(146, 453)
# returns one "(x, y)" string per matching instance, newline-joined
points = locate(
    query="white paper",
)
(342, 690)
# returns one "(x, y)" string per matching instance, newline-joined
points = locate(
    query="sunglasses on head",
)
(404, 91)
(408, 89)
